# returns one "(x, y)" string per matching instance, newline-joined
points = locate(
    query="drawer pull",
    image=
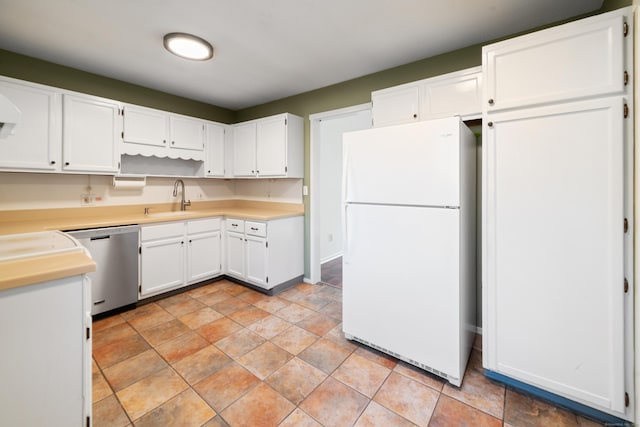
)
(254, 228)
(99, 302)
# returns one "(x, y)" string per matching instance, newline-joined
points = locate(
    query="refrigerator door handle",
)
(345, 233)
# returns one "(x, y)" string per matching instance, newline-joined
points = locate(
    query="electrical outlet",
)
(87, 199)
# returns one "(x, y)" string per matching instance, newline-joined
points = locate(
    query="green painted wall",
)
(38, 71)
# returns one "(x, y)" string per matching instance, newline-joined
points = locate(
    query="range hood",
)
(9, 116)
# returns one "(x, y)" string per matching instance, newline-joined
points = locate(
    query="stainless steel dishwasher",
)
(114, 284)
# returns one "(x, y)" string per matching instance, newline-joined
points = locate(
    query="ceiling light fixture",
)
(188, 46)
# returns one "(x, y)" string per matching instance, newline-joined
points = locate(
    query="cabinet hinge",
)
(285, 121)
(626, 285)
(88, 421)
(140, 288)
(267, 279)
(122, 134)
(140, 250)
(118, 165)
(625, 78)
(88, 332)
(626, 399)
(626, 225)
(625, 109)
(625, 29)
(266, 244)
(286, 168)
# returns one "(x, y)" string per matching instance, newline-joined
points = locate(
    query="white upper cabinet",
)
(215, 149)
(151, 132)
(269, 147)
(576, 60)
(36, 142)
(396, 105)
(453, 94)
(92, 131)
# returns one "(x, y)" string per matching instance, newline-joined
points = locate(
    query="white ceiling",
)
(264, 49)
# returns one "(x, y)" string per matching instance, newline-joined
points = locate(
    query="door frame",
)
(314, 175)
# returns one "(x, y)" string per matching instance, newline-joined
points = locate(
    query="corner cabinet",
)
(36, 142)
(272, 147)
(265, 254)
(91, 134)
(176, 254)
(453, 94)
(46, 361)
(557, 246)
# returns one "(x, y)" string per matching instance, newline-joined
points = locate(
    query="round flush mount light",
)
(188, 46)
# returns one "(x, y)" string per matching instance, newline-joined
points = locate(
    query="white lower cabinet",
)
(265, 254)
(46, 359)
(179, 253)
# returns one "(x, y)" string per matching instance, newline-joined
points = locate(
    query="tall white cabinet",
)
(558, 213)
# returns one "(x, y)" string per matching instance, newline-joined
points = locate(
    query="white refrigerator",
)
(409, 263)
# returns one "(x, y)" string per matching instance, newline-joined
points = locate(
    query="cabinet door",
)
(36, 142)
(454, 94)
(256, 263)
(574, 60)
(186, 133)
(91, 133)
(396, 105)
(215, 158)
(244, 149)
(553, 261)
(203, 254)
(235, 255)
(161, 265)
(145, 126)
(271, 148)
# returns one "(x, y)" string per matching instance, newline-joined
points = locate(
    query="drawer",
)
(203, 225)
(256, 228)
(161, 231)
(236, 225)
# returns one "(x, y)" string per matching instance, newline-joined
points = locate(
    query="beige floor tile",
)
(201, 317)
(174, 299)
(184, 307)
(451, 412)
(184, 410)
(132, 370)
(225, 386)
(252, 296)
(294, 313)
(216, 421)
(318, 324)
(107, 322)
(201, 291)
(273, 304)
(314, 301)
(248, 315)
(137, 399)
(158, 334)
(294, 339)
(218, 329)
(269, 327)
(480, 392)
(324, 355)
(181, 346)
(99, 387)
(296, 380)
(150, 320)
(380, 358)
(239, 343)
(420, 375)
(119, 350)
(334, 404)
(108, 335)
(230, 305)
(299, 418)
(201, 364)
(337, 336)
(141, 310)
(407, 398)
(265, 359)
(214, 297)
(333, 309)
(109, 413)
(362, 374)
(261, 407)
(377, 415)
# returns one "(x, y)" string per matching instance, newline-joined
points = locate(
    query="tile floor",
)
(331, 272)
(224, 355)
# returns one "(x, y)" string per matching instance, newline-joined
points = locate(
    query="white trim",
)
(330, 258)
(314, 226)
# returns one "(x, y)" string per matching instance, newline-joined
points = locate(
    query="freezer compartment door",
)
(401, 286)
(412, 164)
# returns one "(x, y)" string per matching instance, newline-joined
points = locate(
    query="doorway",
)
(326, 192)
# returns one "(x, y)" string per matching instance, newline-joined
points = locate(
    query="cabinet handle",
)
(173, 142)
(253, 171)
(490, 124)
(415, 116)
(234, 225)
(257, 171)
(164, 141)
(53, 162)
(190, 240)
(66, 163)
(254, 228)
(490, 101)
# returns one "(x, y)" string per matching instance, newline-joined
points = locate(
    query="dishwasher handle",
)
(108, 236)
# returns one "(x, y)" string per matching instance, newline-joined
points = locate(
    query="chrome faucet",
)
(183, 204)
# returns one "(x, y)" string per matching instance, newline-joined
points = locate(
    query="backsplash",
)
(42, 191)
